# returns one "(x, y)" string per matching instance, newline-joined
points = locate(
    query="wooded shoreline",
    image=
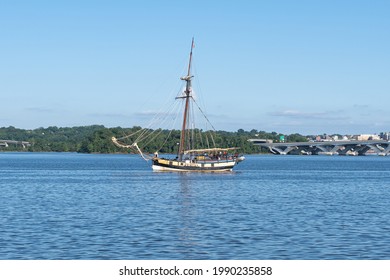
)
(97, 139)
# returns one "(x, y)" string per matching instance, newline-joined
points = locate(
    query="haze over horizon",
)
(305, 67)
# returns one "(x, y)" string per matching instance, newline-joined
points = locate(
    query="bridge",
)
(352, 147)
(6, 142)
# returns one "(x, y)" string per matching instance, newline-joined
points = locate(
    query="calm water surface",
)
(75, 206)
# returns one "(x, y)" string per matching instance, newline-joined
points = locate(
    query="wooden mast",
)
(187, 96)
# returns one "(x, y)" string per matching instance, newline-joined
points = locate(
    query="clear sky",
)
(308, 67)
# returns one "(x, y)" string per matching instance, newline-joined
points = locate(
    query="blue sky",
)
(308, 67)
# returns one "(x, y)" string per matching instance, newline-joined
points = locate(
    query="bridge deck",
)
(6, 142)
(352, 147)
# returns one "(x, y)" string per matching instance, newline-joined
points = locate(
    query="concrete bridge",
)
(6, 142)
(353, 147)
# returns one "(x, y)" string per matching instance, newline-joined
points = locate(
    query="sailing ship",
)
(188, 157)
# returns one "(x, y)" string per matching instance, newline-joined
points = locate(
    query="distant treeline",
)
(97, 139)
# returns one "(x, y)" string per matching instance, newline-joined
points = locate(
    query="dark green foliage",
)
(296, 138)
(97, 139)
(51, 139)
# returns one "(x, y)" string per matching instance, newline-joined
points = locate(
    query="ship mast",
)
(187, 95)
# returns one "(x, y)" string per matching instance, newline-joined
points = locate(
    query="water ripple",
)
(71, 206)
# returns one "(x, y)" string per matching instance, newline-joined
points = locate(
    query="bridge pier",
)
(281, 151)
(386, 151)
(329, 149)
(380, 150)
(348, 150)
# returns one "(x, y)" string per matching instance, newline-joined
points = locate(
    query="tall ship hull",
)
(203, 163)
(161, 164)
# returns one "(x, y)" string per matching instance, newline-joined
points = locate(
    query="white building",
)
(365, 137)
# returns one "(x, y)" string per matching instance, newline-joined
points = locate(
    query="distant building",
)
(365, 137)
(385, 136)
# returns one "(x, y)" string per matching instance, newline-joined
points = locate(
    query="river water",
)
(78, 206)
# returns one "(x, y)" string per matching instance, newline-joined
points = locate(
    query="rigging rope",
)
(203, 114)
(146, 135)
